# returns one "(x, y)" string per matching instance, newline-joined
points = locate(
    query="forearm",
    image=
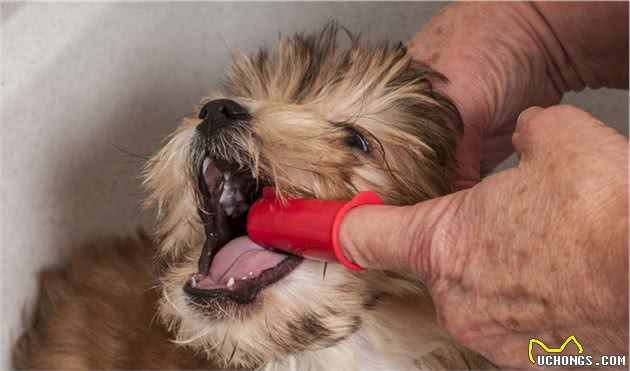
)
(504, 57)
(501, 58)
(588, 41)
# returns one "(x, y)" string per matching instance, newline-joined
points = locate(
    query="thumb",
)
(400, 238)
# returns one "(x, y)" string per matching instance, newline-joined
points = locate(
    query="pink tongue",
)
(241, 259)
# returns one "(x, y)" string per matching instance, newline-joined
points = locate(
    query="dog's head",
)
(314, 120)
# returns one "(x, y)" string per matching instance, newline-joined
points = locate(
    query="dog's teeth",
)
(206, 163)
(229, 210)
(193, 282)
(230, 282)
(226, 195)
(251, 273)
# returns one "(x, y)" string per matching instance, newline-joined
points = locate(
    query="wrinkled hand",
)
(501, 58)
(540, 250)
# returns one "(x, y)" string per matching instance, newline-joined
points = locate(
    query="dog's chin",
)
(232, 270)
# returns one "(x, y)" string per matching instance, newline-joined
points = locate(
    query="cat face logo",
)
(553, 350)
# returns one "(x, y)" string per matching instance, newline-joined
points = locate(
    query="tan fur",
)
(98, 311)
(302, 98)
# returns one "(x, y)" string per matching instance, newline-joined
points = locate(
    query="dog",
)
(313, 119)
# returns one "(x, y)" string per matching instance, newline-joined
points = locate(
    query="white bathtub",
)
(89, 89)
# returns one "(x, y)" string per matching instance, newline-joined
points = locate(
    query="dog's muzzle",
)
(231, 267)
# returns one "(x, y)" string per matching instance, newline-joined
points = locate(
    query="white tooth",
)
(229, 210)
(230, 282)
(193, 282)
(244, 277)
(251, 273)
(206, 163)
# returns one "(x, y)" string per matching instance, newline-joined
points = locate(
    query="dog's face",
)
(313, 120)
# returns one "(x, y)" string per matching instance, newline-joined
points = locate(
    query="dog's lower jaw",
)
(398, 334)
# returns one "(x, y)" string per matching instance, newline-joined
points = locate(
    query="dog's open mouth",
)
(231, 266)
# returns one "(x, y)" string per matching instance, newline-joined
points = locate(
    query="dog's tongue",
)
(242, 259)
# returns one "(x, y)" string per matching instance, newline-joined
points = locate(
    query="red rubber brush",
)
(304, 227)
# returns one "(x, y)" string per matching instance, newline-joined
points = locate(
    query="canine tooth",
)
(193, 282)
(206, 163)
(230, 282)
(229, 210)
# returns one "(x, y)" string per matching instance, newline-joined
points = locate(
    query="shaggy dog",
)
(313, 119)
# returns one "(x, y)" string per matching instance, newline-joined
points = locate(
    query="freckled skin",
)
(547, 224)
(433, 58)
(503, 57)
(503, 266)
(555, 222)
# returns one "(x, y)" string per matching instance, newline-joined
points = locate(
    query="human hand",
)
(501, 58)
(540, 250)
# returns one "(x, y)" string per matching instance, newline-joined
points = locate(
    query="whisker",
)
(131, 154)
(224, 338)
(267, 323)
(192, 339)
(168, 300)
(153, 317)
(233, 353)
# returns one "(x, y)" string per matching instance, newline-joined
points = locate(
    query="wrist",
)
(490, 53)
(502, 58)
(586, 43)
(496, 68)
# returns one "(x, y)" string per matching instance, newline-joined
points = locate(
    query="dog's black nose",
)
(220, 113)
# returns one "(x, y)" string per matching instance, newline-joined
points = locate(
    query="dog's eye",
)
(355, 140)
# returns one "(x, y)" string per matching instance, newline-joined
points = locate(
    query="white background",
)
(84, 83)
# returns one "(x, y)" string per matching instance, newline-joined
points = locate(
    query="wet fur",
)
(303, 98)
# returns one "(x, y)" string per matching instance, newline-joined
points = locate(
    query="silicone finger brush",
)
(301, 226)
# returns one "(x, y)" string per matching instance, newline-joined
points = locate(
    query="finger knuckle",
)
(564, 110)
(527, 118)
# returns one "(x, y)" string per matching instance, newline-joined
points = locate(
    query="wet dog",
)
(313, 119)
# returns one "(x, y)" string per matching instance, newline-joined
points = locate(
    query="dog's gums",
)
(231, 266)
